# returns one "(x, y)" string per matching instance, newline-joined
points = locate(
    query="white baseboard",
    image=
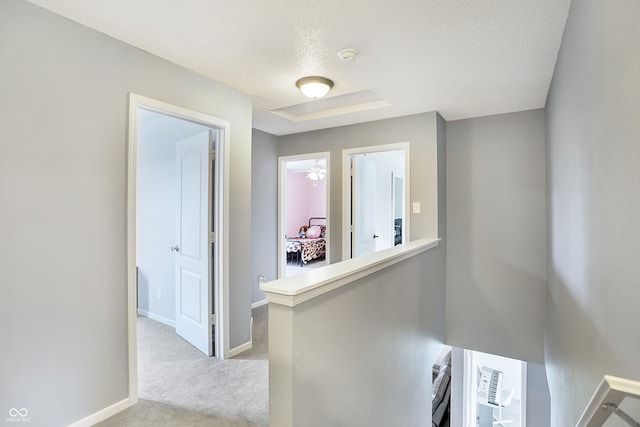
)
(259, 304)
(242, 347)
(239, 349)
(103, 414)
(157, 318)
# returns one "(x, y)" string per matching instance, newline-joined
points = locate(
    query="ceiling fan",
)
(316, 172)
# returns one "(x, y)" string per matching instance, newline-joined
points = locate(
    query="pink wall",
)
(302, 201)
(318, 199)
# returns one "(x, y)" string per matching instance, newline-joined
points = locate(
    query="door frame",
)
(347, 154)
(220, 263)
(469, 386)
(282, 174)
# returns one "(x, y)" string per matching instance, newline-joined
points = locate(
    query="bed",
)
(310, 244)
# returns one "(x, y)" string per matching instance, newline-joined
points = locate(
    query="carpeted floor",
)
(179, 386)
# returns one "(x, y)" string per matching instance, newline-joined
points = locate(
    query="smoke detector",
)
(347, 54)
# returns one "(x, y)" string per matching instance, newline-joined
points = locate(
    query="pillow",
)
(313, 232)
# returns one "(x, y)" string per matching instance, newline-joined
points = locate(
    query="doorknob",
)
(375, 236)
(175, 248)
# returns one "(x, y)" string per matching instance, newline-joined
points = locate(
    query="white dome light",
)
(314, 87)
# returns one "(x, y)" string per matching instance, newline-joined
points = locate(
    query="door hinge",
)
(212, 237)
(212, 319)
(212, 154)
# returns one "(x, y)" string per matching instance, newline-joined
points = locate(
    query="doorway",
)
(303, 213)
(376, 194)
(176, 231)
(494, 389)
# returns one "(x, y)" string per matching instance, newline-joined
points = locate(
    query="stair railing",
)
(606, 400)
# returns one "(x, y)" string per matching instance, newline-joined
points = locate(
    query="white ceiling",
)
(305, 165)
(463, 58)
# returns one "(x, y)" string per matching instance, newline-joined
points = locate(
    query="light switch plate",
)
(416, 207)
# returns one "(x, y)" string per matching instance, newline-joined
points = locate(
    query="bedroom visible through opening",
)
(303, 213)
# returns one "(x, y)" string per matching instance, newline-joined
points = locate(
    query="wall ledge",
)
(294, 290)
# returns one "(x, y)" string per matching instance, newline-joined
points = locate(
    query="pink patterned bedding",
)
(305, 248)
(310, 249)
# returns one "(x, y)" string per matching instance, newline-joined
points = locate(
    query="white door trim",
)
(469, 387)
(346, 190)
(282, 172)
(220, 261)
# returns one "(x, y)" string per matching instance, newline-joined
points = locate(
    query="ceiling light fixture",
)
(316, 172)
(314, 87)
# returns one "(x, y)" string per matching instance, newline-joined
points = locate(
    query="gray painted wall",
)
(419, 130)
(63, 127)
(443, 164)
(538, 400)
(496, 234)
(156, 196)
(264, 210)
(360, 355)
(593, 131)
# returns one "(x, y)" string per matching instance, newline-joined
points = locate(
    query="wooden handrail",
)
(606, 400)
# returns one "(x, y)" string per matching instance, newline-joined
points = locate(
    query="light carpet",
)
(180, 386)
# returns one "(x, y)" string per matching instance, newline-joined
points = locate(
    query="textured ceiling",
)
(463, 58)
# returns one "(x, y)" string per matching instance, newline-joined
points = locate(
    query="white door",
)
(363, 205)
(193, 283)
(368, 215)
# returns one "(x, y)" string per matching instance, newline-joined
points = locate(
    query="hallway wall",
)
(496, 207)
(63, 191)
(420, 130)
(264, 210)
(593, 133)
